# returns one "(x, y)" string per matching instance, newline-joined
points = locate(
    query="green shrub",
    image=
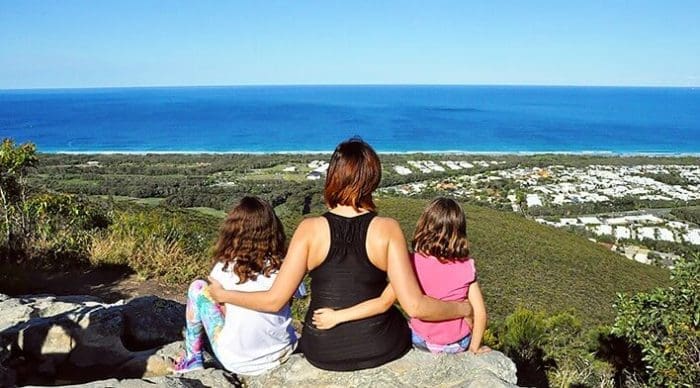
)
(62, 226)
(523, 333)
(157, 242)
(664, 324)
(552, 350)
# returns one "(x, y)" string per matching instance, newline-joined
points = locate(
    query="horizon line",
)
(350, 85)
(594, 153)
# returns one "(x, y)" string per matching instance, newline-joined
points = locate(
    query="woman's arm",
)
(326, 318)
(290, 275)
(480, 318)
(405, 285)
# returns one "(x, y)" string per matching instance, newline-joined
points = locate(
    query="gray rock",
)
(43, 338)
(215, 378)
(27, 307)
(13, 312)
(415, 369)
(52, 334)
(151, 321)
(99, 339)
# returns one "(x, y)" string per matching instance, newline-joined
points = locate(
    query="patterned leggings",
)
(205, 318)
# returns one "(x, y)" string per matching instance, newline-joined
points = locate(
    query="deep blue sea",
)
(391, 118)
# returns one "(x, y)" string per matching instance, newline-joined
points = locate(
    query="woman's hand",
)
(325, 318)
(481, 350)
(215, 289)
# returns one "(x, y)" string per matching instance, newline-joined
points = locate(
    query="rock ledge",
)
(45, 339)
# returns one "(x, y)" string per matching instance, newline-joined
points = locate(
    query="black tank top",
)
(345, 278)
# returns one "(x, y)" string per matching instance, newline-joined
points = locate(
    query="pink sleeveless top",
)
(445, 281)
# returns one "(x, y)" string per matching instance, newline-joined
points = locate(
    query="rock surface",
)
(416, 369)
(45, 339)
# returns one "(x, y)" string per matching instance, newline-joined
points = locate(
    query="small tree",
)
(15, 163)
(664, 324)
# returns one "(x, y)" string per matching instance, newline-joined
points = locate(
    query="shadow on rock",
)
(45, 339)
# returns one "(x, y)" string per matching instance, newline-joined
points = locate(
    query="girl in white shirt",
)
(247, 256)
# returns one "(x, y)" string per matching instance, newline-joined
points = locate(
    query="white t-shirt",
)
(252, 342)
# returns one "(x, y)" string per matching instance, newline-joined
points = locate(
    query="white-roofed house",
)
(623, 233)
(692, 236)
(602, 230)
(401, 170)
(665, 234)
(589, 220)
(646, 232)
(533, 200)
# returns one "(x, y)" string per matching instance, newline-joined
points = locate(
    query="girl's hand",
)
(215, 290)
(481, 350)
(325, 318)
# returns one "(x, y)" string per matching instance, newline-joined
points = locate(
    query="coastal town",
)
(594, 200)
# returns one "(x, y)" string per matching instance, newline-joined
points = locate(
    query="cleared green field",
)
(209, 211)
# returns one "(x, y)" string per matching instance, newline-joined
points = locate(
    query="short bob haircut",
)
(354, 173)
(442, 231)
(251, 240)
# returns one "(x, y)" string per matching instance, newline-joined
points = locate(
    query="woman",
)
(348, 252)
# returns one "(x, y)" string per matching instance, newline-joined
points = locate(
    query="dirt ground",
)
(108, 283)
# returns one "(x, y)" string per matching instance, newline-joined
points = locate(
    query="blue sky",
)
(48, 44)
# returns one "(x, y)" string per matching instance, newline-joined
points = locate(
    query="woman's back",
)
(345, 277)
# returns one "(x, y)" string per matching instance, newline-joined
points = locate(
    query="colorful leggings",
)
(205, 318)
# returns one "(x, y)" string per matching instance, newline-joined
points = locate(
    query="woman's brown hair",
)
(251, 239)
(354, 173)
(442, 231)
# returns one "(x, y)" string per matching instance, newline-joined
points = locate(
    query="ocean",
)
(498, 119)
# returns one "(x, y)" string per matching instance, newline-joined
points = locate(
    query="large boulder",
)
(415, 369)
(151, 321)
(45, 337)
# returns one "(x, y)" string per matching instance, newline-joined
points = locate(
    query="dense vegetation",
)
(690, 214)
(548, 291)
(664, 324)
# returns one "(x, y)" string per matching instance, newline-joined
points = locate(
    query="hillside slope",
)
(523, 263)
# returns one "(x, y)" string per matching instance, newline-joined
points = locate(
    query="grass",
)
(209, 211)
(523, 263)
(150, 201)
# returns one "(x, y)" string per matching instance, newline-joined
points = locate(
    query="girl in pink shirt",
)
(445, 271)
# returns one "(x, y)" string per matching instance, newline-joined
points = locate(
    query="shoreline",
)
(660, 154)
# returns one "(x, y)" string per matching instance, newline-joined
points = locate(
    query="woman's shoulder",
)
(385, 223)
(311, 224)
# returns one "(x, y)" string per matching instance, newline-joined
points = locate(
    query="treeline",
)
(672, 178)
(615, 205)
(689, 214)
(165, 164)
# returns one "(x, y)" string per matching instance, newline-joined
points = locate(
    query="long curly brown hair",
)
(442, 231)
(251, 239)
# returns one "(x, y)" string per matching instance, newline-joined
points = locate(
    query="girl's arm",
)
(408, 292)
(290, 275)
(326, 318)
(479, 327)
